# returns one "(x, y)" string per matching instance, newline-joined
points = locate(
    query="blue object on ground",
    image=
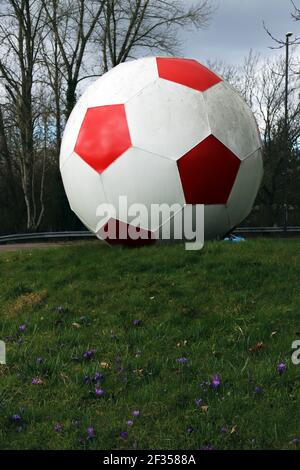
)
(234, 239)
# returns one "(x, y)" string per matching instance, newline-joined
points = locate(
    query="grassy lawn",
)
(72, 313)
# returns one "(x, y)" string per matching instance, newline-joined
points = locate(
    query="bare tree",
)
(120, 28)
(21, 33)
(72, 24)
(296, 15)
(131, 26)
(229, 72)
(242, 77)
(287, 131)
(262, 84)
(249, 77)
(7, 167)
(110, 31)
(269, 98)
(47, 48)
(53, 79)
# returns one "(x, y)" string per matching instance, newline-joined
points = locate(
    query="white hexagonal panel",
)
(123, 82)
(167, 119)
(142, 176)
(84, 189)
(245, 188)
(72, 128)
(231, 120)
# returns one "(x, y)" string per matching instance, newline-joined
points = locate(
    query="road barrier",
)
(53, 236)
(28, 237)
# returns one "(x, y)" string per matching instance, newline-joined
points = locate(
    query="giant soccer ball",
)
(162, 130)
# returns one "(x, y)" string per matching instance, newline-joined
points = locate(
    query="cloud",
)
(237, 27)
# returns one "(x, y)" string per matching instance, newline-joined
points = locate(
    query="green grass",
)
(211, 307)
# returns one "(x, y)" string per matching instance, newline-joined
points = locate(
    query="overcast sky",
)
(237, 26)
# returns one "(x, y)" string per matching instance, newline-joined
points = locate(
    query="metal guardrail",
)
(45, 236)
(85, 234)
(267, 230)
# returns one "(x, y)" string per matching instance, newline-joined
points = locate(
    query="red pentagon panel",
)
(115, 232)
(208, 172)
(187, 72)
(103, 136)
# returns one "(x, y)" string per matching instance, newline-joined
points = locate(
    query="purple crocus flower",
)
(98, 377)
(137, 322)
(99, 392)
(22, 328)
(198, 402)
(16, 419)
(281, 368)
(136, 413)
(182, 360)
(89, 354)
(57, 427)
(90, 432)
(215, 381)
(124, 435)
(36, 381)
(129, 423)
(189, 430)
(258, 390)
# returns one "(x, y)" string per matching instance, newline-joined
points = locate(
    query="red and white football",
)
(162, 130)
